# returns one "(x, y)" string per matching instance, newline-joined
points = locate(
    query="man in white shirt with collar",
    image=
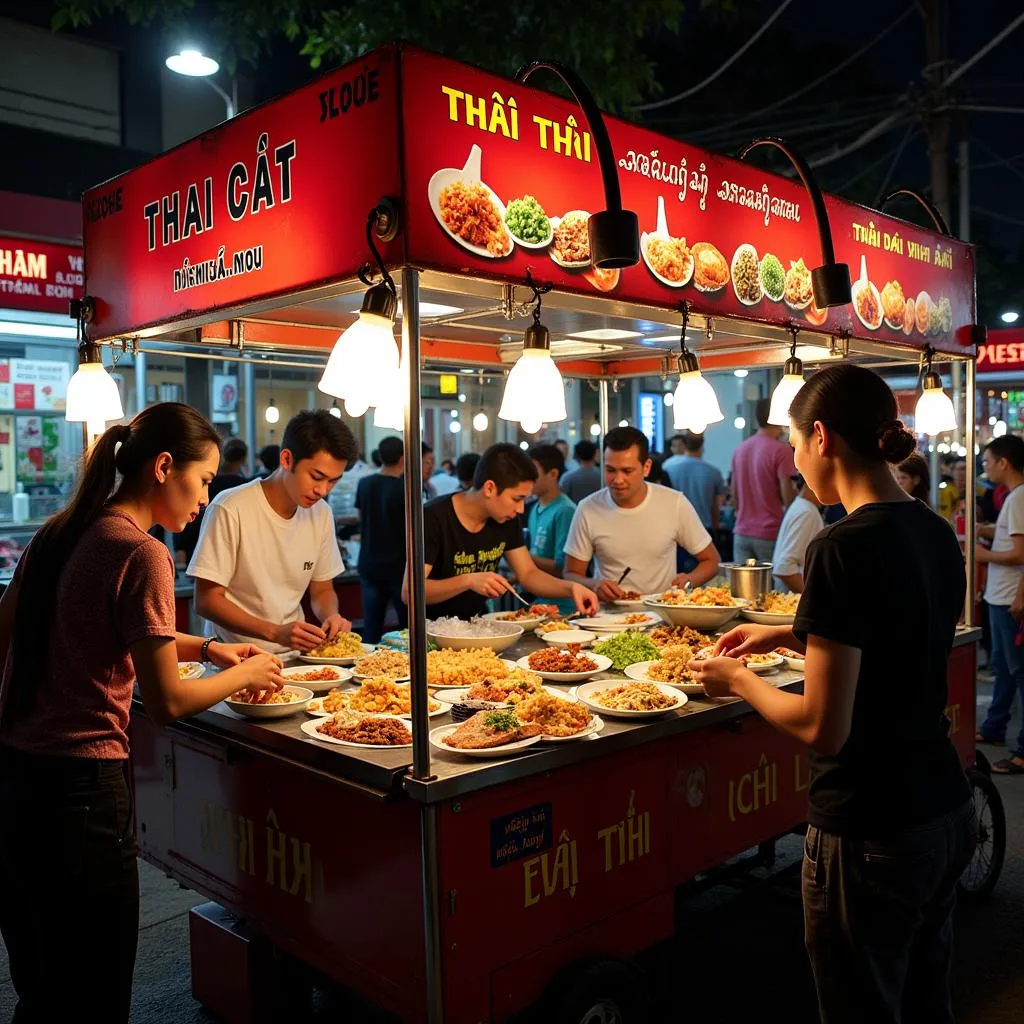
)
(265, 543)
(800, 525)
(633, 524)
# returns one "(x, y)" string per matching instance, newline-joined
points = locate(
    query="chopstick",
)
(618, 582)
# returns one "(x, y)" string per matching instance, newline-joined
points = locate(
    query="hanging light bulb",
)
(785, 391)
(669, 399)
(595, 429)
(92, 395)
(534, 391)
(695, 403)
(934, 412)
(480, 421)
(623, 423)
(455, 427)
(271, 414)
(335, 411)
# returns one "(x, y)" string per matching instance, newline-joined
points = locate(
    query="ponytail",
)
(125, 450)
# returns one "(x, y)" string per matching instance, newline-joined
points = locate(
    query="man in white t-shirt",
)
(800, 525)
(265, 543)
(636, 525)
(1003, 461)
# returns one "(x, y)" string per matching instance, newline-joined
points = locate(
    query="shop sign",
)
(272, 202)
(650, 408)
(224, 401)
(39, 276)
(449, 384)
(1004, 352)
(33, 384)
(721, 234)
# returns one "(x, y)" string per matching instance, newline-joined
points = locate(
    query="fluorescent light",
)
(26, 330)
(1011, 316)
(606, 334)
(437, 309)
(192, 63)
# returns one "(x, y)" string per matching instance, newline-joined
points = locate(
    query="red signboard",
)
(724, 235)
(275, 201)
(1003, 352)
(269, 203)
(39, 276)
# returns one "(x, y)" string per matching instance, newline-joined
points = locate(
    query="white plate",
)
(588, 691)
(860, 286)
(457, 694)
(313, 708)
(769, 618)
(318, 687)
(796, 664)
(195, 670)
(746, 247)
(437, 736)
(614, 624)
(469, 175)
(531, 245)
(603, 664)
(349, 660)
(627, 605)
(310, 729)
(697, 616)
(272, 710)
(593, 728)
(569, 265)
(569, 636)
(759, 669)
(639, 673)
(531, 623)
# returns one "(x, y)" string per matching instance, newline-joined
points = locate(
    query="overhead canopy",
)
(263, 219)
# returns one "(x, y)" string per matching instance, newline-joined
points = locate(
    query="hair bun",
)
(896, 441)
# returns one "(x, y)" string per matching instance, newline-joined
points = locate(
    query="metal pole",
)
(249, 423)
(602, 418)
(970, 505)
(964, 176)
(418, 641)
(140, 381)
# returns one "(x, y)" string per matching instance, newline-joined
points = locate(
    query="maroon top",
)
(116, 589)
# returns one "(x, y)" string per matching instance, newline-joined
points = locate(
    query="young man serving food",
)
(265, 543)
(466, 535)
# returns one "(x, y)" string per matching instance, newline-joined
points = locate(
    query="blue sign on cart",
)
(521, 834)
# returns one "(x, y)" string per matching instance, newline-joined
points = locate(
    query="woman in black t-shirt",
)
(891, 822)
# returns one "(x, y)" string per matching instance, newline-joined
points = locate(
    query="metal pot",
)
(750, 580)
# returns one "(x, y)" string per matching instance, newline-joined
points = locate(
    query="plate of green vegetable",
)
(625, 649)
(528, 224)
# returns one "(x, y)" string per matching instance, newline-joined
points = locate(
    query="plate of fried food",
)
(629, 599)
(670, 636)
(487, 734)
(350, 729)
(710, 268)
(773, 609)
(671, 670)
(564, 664)
(318, 678)
(342, 650)
(634, 699)
(375, 696)
(617, 623)
(551, 626)
(468, 210)
(268, 703)
(701, 608)
(528, 618)
(794, 659)
(759, 663)
(190, 670)
(465, 667)
(570, 241)
(393, 665)
(667, 257)
(562, 720)
(511, 688)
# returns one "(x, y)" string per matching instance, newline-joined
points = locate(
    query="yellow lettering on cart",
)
(627, 840)
(754, 790)
(558, 873)
(293, 877)
(953, 714)
(222, 830)
(496, 118)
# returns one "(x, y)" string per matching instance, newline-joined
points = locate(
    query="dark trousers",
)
(878, 920)
(69, 887)
(376, 597)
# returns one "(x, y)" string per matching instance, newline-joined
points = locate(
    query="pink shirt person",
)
(762, 468)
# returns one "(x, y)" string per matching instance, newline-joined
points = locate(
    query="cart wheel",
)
(981, 875)
(609, 992)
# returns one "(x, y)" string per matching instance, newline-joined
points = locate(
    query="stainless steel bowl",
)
(750, 579)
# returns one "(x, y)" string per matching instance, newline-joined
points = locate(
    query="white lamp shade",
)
(534, 391)
(480, 421)
(782, 398)
(389, 413)
(695, 404)
(92, 396)
(934, 413)
(362, 363)
(192, 63)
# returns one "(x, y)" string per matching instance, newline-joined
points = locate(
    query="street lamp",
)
(195, 64)
(1011, 316)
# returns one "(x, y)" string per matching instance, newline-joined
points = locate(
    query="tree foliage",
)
(603, 42)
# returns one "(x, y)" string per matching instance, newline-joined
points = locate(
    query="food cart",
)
(436, 886)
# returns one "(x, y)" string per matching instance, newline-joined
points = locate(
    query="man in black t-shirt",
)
(467, 534)
(380, 505)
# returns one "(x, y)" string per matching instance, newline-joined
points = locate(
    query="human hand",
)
(262, 676)
(488, 584)
(335, 624)
(228, 655)
(299, 636)
(586, 600)
(717, 675)
(747, 639)
(679, 582)
(609, 590)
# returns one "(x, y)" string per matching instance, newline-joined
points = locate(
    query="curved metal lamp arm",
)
(831, 281)
(927, 205)
(614, 232)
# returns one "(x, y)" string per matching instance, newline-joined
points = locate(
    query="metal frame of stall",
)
(753, 344)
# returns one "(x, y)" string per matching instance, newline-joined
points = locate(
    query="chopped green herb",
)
(503, 721)
(625, 649)
(773, 277)
(526, 219)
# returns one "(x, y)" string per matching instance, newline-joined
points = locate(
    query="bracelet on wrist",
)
(204, 651)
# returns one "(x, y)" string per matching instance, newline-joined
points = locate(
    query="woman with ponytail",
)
(90, 611)
(891, 820)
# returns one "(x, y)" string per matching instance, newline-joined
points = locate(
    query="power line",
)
(828, 74)
(868, 169)
(1000, 161)
(884, 187)
(993, 215)
(658, 104)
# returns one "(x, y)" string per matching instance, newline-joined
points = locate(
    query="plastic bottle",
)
(19, 505)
